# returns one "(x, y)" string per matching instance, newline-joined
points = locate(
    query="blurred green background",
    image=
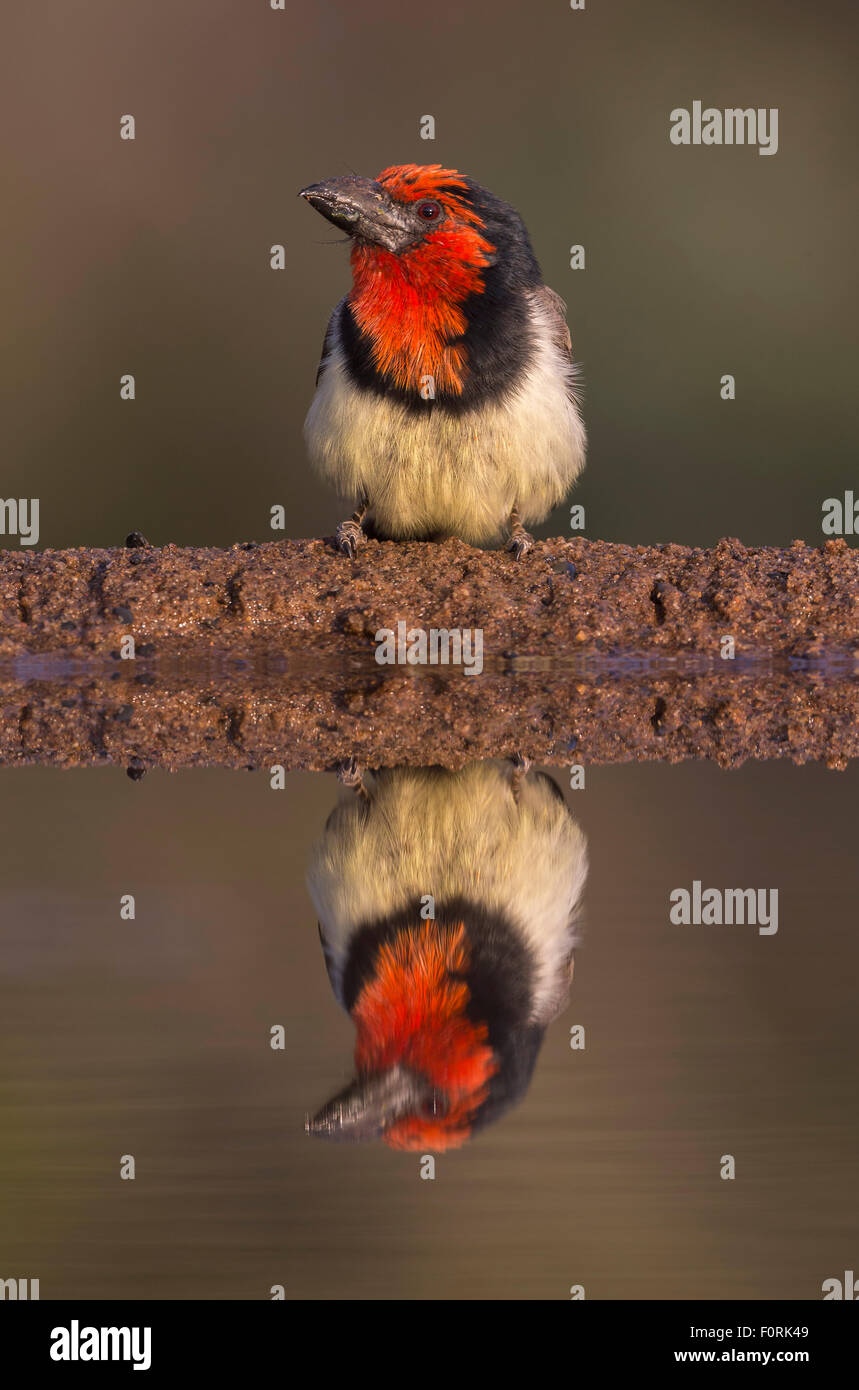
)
(152, 257)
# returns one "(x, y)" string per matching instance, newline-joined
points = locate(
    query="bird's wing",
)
(555, 310)
(561, 994)
(329, 958)
(329, 340)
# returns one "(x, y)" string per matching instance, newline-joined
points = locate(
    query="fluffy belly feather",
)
(448, 474)
(455, 834)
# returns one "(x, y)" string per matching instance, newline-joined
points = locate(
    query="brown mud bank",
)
(221, 716)
(592, 652)
(303, 597)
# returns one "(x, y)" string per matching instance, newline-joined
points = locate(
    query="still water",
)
(151, 1039)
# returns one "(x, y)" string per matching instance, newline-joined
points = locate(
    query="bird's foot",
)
(521, 768)
(349, 537)
(521, 541)
(351, 774)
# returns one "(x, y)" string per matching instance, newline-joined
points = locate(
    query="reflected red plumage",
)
(413, 1012)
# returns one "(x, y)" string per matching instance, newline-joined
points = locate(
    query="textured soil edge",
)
(263, 654)
(301, 596)
(227, 718)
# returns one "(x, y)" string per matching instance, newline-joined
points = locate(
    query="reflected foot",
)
(521, 767)
(351, 774)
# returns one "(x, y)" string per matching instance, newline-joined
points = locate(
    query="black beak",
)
(364, 209)
(338, 200)
(369, 1104)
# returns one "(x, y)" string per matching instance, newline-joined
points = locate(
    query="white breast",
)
(455, 834)
(457, 475)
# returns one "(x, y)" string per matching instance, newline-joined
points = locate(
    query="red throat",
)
(410, 305)
(413, 1012)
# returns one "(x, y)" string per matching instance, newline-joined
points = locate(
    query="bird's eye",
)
(428, 212)
(434, 1106)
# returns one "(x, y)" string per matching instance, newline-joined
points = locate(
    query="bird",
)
(449, 907)
(447, 399)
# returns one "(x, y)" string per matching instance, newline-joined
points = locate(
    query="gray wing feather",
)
(328, 955)
(330, 339)
(555, 310)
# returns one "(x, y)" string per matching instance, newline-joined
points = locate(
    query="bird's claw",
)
(351, 774)
(521, 768)
(520, 543)
(349, 537)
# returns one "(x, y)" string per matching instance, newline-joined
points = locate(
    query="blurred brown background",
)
(152, 257)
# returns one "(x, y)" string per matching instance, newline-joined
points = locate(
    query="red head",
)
(424, 1066)
(424, 239)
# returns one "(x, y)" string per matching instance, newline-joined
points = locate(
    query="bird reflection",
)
(447, 906)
